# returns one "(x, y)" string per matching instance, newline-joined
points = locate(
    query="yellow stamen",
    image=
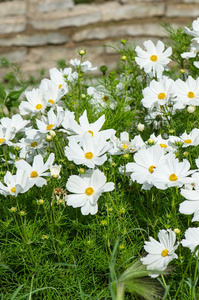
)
(89, 191)
(162, 96)
(34, 174)
(189, 141)
(151, 169)
(34, 144)
(88, 155)
(38, 106)
(165, 252)
(90, 132)
(124, 146)
(13, 190)
(163, 145)
(1, 141)
(153, 57)
(51, 101)
(105, 98)
(191, 95)
(59, 87)
(49, 127)
(173, 177)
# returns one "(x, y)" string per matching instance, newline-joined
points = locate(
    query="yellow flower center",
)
(153, 57)
(189, 141)
(49, 127)
(1, 141)
(163, 145)
(88, 155)
(190, 94)
(124, 146)
(90, 131)
(162, 96)
(34, 144)
(173, 177)
(51, 101)
(38, 106)
(105, 98)
(59, 87)
(89, 191)
(33, 174)
(13, 190)
(151, 169)
(165, 252)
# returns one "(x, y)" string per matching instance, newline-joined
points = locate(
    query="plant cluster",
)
(99, 183)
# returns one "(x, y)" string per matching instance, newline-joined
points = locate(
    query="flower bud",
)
(52, 133)
(49, 138)
(140, 127)
(55, 170)
(191, 109)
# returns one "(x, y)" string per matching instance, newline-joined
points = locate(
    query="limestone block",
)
(113, 11)
(182, 10)
(190, 1)
(13, 8)
(53, 5)
(99, 33)
(35, 40)
(80, 15)
(12, 24)
(15, 56)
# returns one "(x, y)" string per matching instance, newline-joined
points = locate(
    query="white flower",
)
(52, 120)
(101, 98)
(160, 254)
(90, 154)
(77, 130)
(191, 139)
(36, 102)
(123, 145)
(191, 109)
(85, 66)
(37, 170)
(16, 122)
(52, 93)
(140, 127)
(172, 173)
(191, 204)
(195, 31)
(191, 239)
(58, 78)
(86, 190)
(146, 162)
(16, 184)
(194, 49)
(186, 93)
(158, 92)
(154, 59)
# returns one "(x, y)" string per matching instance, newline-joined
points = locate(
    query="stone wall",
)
(37, 33)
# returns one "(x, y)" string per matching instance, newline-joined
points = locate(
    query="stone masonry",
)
(37, 33)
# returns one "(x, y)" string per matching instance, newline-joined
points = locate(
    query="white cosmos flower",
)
(186, 92)
(16, 122)
(90, 154)
(161, 253)
(37, 170)
(85, 66)
(195, 31)
(154, 59)
(191, 239)
(52, 93)
(101, 98)
(172, 173)
(124, 145)
(158, 92)
(15, 184)
(194, 49)
(59, 80)
(191, 139)
(191, 204)
(146, 162)
(7, 134)
(52, 120)
(77, 130)
(35, 102)
(86, 190)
